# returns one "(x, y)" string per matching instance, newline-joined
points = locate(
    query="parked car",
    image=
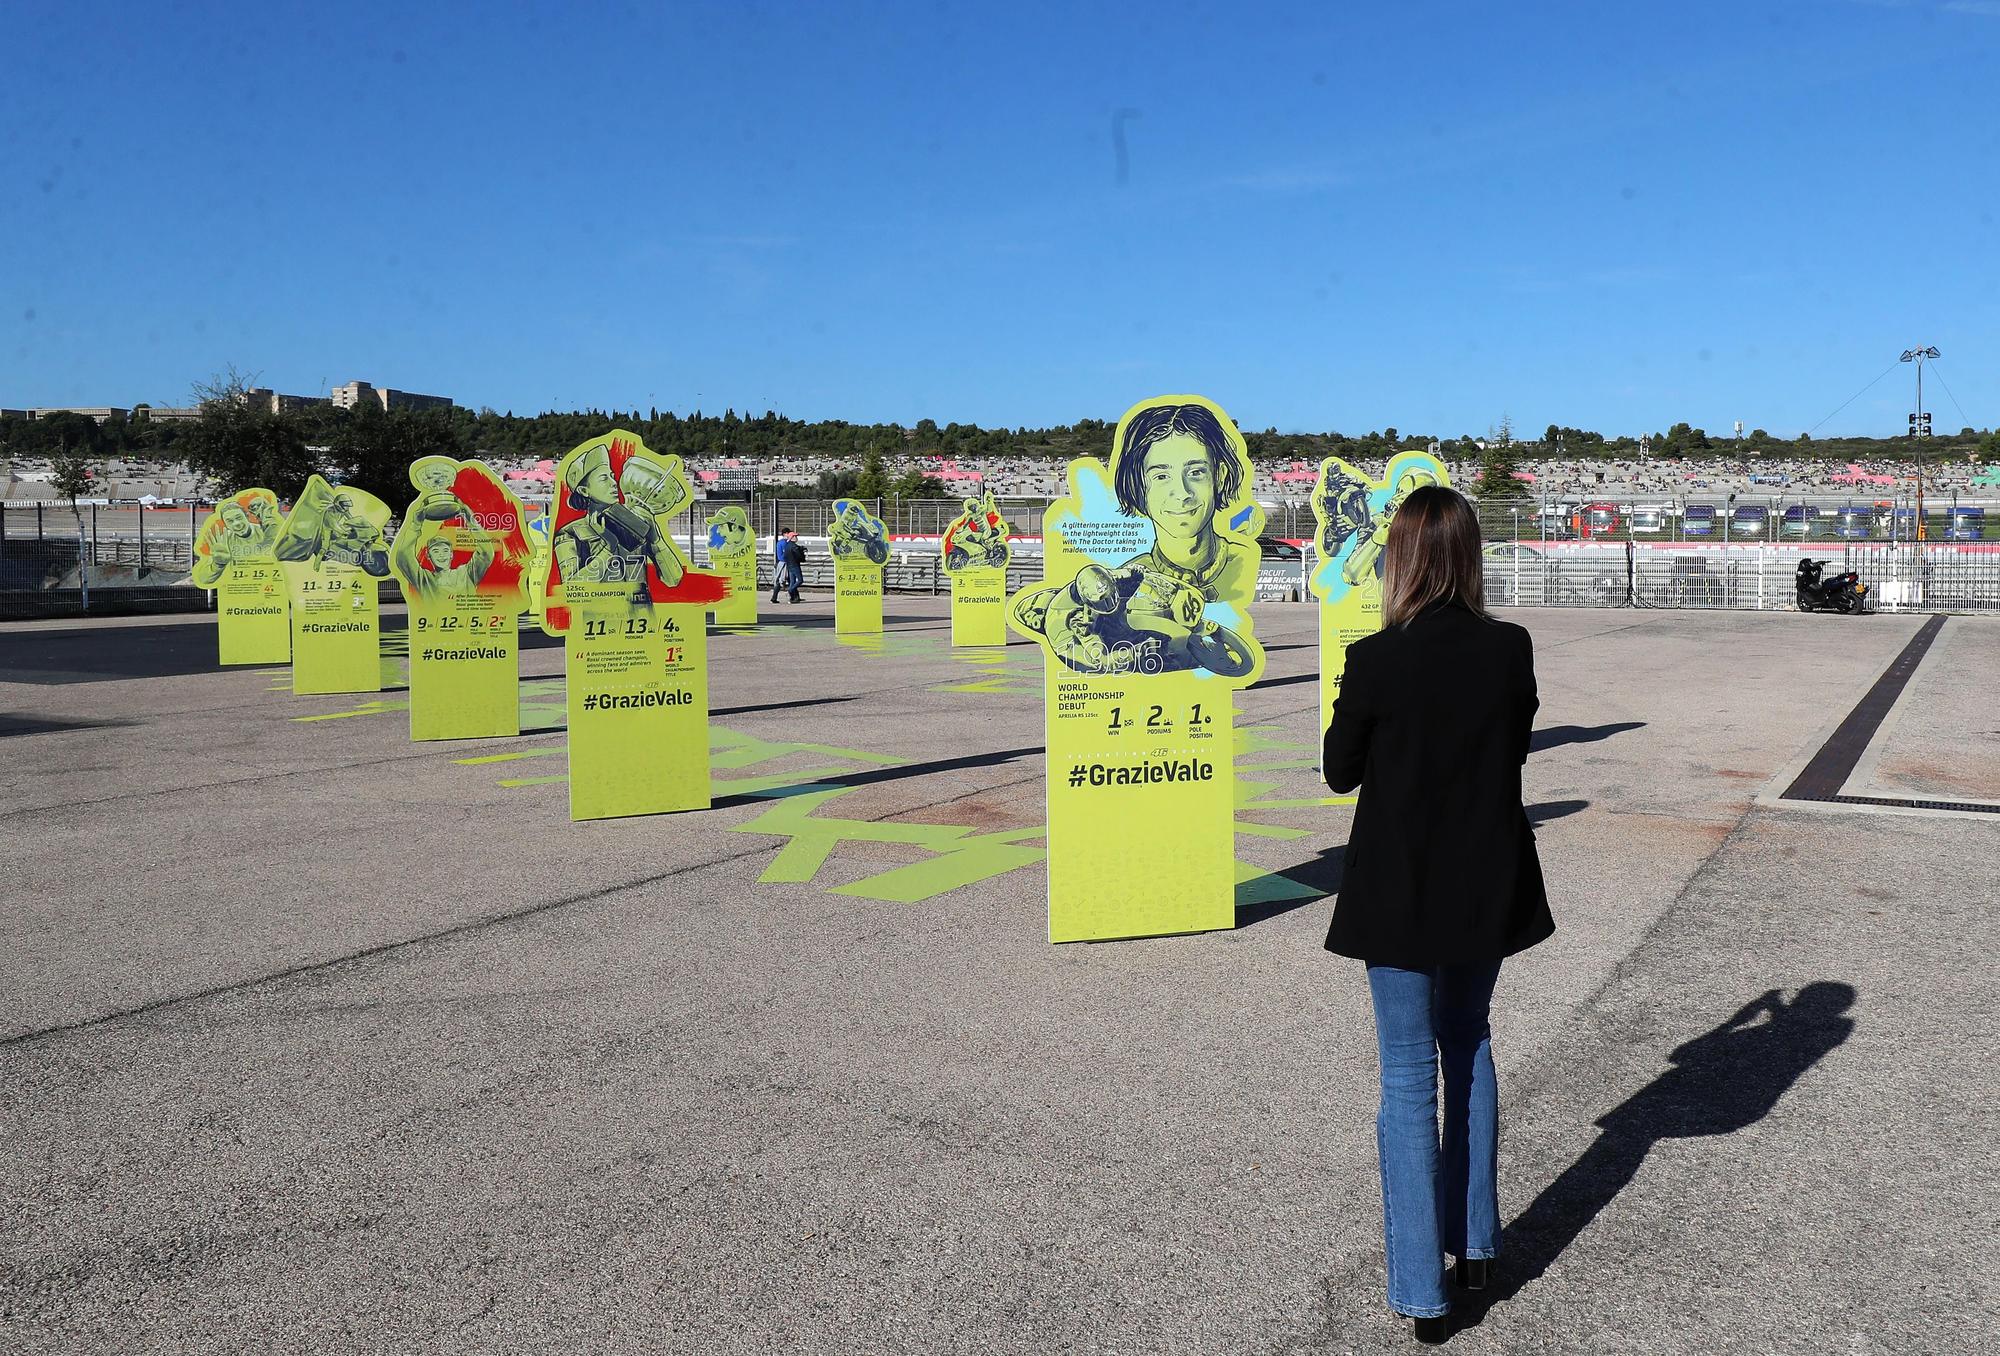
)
(1965, 523)
(1853, 524)
(1505, 561)
(1750, 522)
(1647, 519)
(1698, 520)
(1801, 521)
(1598, 520)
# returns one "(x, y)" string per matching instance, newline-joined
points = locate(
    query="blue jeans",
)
(1436, 1199)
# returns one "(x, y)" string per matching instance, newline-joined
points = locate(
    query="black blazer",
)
(1432, 723)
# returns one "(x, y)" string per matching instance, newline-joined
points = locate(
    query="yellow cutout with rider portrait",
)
(1150, 568)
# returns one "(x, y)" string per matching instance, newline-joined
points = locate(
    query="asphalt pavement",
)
(314, 1038)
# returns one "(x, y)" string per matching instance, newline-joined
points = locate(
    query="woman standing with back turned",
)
(1441, 882)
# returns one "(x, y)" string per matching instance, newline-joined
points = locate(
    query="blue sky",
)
(1321, 216)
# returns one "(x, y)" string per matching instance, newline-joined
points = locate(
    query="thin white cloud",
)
(1288, 179)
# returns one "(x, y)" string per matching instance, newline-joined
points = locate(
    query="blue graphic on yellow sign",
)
(1352, 514)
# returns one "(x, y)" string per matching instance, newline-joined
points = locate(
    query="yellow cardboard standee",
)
(462, 557)
(1150, 568)
(335, 547)
(634, 621)
(975, 550)
(979, 607)
(538, 562)
(732, 552)
(638, 705)
(859, 543)
(233, 556)
(1353, 513)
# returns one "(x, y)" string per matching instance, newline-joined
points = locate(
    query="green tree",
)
(873, 482)
(372, 448)
(1496, 475)
(70, 475)
(234, 445)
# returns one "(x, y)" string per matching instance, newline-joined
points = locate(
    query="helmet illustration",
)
(581, 469)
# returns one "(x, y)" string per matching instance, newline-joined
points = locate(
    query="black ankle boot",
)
(1432, 1331)
(1472, 1273)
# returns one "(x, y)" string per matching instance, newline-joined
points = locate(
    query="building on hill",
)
(97, 413)
(358, 393)
(263, 397)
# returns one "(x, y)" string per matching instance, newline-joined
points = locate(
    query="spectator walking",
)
(788, 568)
(1441, 881)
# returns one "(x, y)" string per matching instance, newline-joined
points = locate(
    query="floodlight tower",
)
(1920, 425)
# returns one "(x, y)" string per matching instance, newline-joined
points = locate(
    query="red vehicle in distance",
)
(1599, 520)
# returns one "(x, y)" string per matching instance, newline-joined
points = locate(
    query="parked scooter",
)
(1838, 593)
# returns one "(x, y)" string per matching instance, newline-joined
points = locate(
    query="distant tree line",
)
(234, 443)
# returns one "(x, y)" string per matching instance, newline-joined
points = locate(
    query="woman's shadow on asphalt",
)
(1720, 1083)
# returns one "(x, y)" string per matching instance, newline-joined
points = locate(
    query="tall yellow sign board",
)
(233, 556)
(335, 547)
(462, 557)
(1352, 514)
(1150, 567)
(859, 543)
(732, 553)
(633, 618)
(975, 552)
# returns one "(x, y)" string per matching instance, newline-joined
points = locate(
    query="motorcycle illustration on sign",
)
(977, 539)
(1157, 554)
(859, 542)
(1352, 515)
(634, 618)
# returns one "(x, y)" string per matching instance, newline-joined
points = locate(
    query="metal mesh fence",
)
(1680, 553)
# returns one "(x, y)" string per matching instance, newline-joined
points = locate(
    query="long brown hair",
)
(1432, 556)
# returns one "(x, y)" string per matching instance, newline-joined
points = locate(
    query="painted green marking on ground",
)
(374, 706)
(511, 755)
(968, 861)
(963, 858)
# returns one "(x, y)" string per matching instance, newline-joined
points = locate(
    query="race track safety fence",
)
(132, 557)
